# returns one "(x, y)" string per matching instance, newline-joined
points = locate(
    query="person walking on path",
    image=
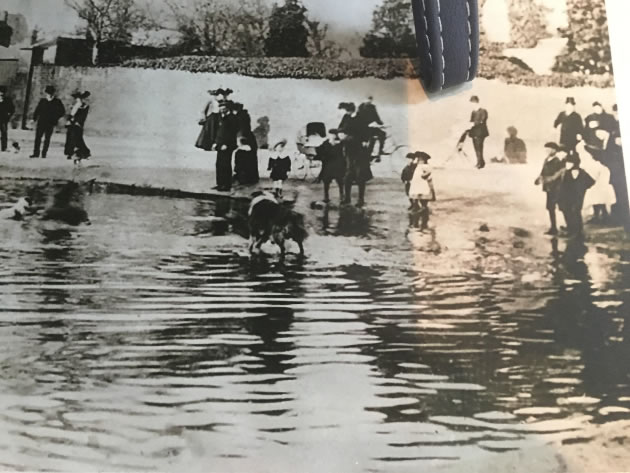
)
(478, 132)
(550, 178)
(571, 125)
(279, 166)
(7, 109)
(354, 136)
(47, 114)
(421, 191)
(572, 190)
(330, 153)
(75, 142)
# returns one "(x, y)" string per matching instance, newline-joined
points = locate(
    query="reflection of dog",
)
(67, 205)
(270, 220)
(18, 210)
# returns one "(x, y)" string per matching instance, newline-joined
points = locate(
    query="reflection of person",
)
(478, 132)
(75, 142)
(571, 125)
(354, 135)
(421, 190)
(515, 149)
(47, 113)
(330, 153)
(368, 115)
(550, 178)
(7, 109)
(573, 186)
(279, 167)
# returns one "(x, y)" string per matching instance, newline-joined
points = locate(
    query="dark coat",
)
(333, 163)
(479, 119)
(356, 153)
(572, 190)
(246, 167)
(515, 150)
(75, 142)
(7, 109)
(570, 126)
(593, 123)
(204, 140)
(280, 168)
(48, 112)
(368, 114)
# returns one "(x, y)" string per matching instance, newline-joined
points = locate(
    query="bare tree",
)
(108, 20)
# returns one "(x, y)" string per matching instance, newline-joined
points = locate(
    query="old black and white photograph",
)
(241, 237)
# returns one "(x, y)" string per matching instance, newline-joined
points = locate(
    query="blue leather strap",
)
(448, 38)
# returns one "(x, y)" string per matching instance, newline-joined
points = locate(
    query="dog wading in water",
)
(270, 220)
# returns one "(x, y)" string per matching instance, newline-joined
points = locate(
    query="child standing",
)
(245, 163)
(280, 166)
(421, 191)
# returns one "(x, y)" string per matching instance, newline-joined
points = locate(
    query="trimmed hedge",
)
(492, 67)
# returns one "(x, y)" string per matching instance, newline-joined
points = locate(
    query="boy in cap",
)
(550, 177)
(47, 113)
(571, 125)
(7, 109)
(571, 191)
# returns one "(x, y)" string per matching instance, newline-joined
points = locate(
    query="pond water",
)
(149, 340)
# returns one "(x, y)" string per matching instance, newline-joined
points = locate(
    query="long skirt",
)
(204, 141)
(75, 144)
(357, 156)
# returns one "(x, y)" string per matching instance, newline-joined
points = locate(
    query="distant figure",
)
(369, 117)
(261, 132)
(571, 125)
(421, 191)
(330, 153)
(7, 109)
(245, 163)
(407, 173)
(47, 115)
(550, 178)
(478, 132)
(279, 167)
(515, 149)
(75, 143)
(573, 186)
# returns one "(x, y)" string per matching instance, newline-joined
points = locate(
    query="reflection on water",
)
(149, 340)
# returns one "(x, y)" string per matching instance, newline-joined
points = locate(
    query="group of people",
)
(48, 112)
(226, 129)
(585, 169)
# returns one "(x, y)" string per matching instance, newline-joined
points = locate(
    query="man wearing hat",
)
(47, 113)
(571, 125)
(224, 142)
(479, 130)
(550, 177)
(573, 186)
(7, 109)
(597, 127)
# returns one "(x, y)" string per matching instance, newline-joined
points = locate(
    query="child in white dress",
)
(421, 191)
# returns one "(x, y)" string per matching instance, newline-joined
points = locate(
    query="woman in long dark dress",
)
(354, 138)
(75, 142)
(330, 153)
(245, 163)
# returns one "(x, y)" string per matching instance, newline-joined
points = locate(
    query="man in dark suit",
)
(7, 109)
(613, 160)
(478, 132)
(47, 114)
(368, 115)
(224, 142)
(571, 126)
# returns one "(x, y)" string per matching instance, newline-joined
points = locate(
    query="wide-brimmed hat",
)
(422, 156)
(573, 158)
(570, 100)
(49, 89)
(81, 95)
(282, 142)
(552, 145)
(597, 104)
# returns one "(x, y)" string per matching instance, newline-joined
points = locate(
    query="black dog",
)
(270, 220)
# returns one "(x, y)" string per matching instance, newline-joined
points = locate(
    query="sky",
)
(53, 16)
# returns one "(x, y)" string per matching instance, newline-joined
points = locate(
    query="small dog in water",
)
(17, 211)
(269, 219)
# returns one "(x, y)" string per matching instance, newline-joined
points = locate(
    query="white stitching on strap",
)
(426, 31)
(470, 51)
(443, 78)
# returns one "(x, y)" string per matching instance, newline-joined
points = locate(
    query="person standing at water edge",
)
(550, 178)
(571, 125)
(354, 134)
(330, 153)
(224, 142)
(280, 166)
(47, 113)
(7, 109)
(572, 189)
(478, 132)
(75, 142)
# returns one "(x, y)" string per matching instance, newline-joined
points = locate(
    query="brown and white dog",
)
(269, 219)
